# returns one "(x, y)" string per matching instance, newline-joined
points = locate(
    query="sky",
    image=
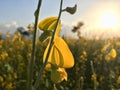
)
(16, 13)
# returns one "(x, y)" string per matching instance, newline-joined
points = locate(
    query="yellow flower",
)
(58, 75)
(60, 57)
(48, 24)
(113, 53)
(118, 80)
(8, 35)
(17, 37)
(15, 75)
(83, 57)
(101, 79)
(4, 55)
(84, 53)
(9, 77)
(60, 54)
(93, 77)
(118, 44)
(9, 86)
(0, 46)
(107, 57)
(1, 42)
(105, 47)
(1, 79)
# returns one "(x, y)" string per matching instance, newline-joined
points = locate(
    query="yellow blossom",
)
(0, 46)
(118, 80)
(84, 53)
(105, 47)
(28, 55)
(14, 38)
(107, 57)
(4, 55)
(8, 35)
(58, 59)
(17, 37)
(118, 44)
(113, 53)
(58, 75)
(1, 41)
(3, 84)
(9, 77)
(83, 57)
(60, 54)
(49, 24)
(101, 79)
(93, 77)
(15, 75)
(1, 79)
(9, 86)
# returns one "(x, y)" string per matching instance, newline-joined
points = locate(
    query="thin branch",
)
(93, 71)
(31, 62)
(48, 53)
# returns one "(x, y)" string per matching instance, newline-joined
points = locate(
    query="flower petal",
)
(68, 60)
(49, 24)
(58, 75)
(60, 54)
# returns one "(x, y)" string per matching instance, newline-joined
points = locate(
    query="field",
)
(97, 64)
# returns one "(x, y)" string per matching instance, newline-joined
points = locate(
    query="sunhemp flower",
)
(3, 55)
(118, 80)
(58, 75)
(48, 24)
(60, 55)
(111, 55)
(1, 79)
(60, 58)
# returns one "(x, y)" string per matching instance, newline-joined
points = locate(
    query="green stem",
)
(93, 71)
(81, 82)
(92, 67)
(31, 62)
(48, 53)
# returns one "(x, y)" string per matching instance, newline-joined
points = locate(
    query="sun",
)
(108, 20)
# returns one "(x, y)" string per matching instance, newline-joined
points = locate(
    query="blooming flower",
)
(111, 55)
(118, 80)
(60, 54)
(61, 57)
(48, 24)
(58, 75)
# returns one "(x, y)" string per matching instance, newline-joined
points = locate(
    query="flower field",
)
(97, 64)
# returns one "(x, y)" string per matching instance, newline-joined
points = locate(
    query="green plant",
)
(56, 30)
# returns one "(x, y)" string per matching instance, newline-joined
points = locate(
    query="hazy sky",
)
(22, 11)
(15, 13)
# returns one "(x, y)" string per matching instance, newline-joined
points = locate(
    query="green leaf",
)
(9, 68)
(71, 10)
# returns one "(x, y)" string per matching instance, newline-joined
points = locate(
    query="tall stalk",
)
(48, 53)
(31, 62)
(94, 75)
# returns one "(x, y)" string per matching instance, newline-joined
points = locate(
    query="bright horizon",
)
(98, 16)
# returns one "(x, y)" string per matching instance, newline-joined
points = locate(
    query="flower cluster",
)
(60, 55)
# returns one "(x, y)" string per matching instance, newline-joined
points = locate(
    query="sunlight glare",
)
(108, 20)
